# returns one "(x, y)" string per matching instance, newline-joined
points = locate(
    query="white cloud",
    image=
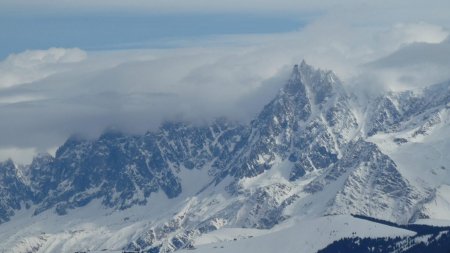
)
(401, 33)
(54, 93)
(33, 65)
(18, 155)
(414, 66)
(132, 90)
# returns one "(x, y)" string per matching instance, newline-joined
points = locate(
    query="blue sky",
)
(100, 31)
(116, 24)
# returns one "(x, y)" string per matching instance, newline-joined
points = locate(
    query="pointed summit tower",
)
(305, 67)
(294, 87)
(303, 122)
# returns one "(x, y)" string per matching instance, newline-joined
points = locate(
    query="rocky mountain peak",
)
(7, 166)
(316, 84)
(13, 190)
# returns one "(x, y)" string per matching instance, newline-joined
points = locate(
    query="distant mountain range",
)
(314, 151)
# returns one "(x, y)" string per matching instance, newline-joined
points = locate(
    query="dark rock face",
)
(114, 168)
(124, 170)
(366, 171)
(395, 111)
(14, 193)
(118, 169)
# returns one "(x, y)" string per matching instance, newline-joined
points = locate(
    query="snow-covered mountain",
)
(313, 151)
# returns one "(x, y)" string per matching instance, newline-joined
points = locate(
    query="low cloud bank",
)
(47, 95)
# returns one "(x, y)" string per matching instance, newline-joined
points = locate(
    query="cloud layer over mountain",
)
(47, 95)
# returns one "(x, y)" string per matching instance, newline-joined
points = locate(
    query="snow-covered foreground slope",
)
(306, 236)
(312, 156)
(94, 228)
(89, 228)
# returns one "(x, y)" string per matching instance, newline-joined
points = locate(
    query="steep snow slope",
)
(419, 143)
(438, 207)
(92, 227)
